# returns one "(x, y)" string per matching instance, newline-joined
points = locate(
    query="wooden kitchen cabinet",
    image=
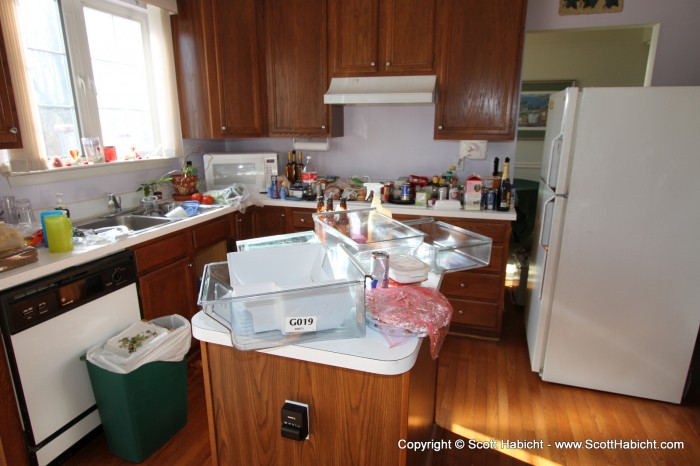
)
(270, 220)
(166, 281)
(220, 68)
(297, 70)
(241, 226)
(390, 37)
(10, 136)
(479, 73)
(253, 68)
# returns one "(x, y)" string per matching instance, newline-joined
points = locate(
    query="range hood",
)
(381, 90)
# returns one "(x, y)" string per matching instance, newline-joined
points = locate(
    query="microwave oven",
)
(254, 169)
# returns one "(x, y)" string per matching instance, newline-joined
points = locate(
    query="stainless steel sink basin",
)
(130, 221)
(166, 207)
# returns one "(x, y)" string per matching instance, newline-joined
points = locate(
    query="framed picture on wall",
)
(534, 103)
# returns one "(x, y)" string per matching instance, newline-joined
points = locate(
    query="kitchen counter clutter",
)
(50, 263)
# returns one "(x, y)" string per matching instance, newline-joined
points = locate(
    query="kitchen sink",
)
(166, 207)
(130, 221)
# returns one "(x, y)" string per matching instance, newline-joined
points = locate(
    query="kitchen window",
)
(90, 71)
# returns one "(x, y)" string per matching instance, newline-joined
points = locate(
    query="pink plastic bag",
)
(410, 310)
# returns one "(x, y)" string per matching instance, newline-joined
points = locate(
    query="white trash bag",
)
(163, 339)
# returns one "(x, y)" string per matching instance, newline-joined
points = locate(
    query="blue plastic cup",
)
(43, 215)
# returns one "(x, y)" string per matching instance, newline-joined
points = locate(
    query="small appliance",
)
(254, 169)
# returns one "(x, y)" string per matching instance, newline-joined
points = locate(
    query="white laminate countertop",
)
(49, 263)
(372, 353)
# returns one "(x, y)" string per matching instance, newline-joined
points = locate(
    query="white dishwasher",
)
(47, 325)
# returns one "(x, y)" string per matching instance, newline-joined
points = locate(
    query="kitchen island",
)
(364, 397)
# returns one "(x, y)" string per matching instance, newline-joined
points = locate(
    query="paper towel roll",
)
(314, 145)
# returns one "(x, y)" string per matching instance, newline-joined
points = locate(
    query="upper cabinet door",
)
(297, 69)
(354, 36)
(479, 77)
(389, 37)
(10, 137)
(239, 68)
(409, 36)
(219, 68)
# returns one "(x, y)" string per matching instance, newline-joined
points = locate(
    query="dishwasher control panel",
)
(40, 300)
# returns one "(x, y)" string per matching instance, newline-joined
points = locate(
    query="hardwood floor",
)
(486, 392)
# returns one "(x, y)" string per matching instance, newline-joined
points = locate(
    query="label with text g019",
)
(300, 324)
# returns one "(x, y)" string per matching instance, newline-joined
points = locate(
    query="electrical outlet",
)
(475, 150)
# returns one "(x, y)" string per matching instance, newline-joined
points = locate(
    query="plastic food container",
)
(322, 297)
(404, 268)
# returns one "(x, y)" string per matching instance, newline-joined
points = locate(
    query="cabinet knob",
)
(462, 285)
(14, 130)
(371, 64)
(388, 63)
(439, 126)
(323, 126)
(223, 128)
(239, 220)
(302, 220)
(189, 265)
(281, 215)
(460, 312)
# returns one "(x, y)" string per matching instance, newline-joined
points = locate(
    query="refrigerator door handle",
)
(554, 150)
(545, 233)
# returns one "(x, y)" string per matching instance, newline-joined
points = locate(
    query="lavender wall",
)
(676, 61)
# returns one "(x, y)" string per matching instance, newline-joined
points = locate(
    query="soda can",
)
(491, 200)
(386, 191)
(380, 268)
(405, 192)
(442, 193)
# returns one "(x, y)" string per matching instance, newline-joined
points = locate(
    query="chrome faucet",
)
(114, 201)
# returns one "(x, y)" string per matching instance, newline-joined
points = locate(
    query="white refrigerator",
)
(614, 278)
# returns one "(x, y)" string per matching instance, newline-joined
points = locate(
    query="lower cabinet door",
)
(168, 290)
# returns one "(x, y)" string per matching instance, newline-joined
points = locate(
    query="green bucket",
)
(143, 409)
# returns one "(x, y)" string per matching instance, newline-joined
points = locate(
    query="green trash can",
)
(143, 409)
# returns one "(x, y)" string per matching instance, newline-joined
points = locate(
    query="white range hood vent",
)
(381, 90)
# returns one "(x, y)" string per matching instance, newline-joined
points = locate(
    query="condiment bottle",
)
(60, 205)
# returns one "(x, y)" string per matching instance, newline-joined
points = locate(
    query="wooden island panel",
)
(355, 417)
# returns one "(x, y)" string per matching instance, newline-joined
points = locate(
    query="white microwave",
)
(254, 169)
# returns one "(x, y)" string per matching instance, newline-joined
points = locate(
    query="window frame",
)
(80, 64)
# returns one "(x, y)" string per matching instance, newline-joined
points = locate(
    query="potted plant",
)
(185, 181)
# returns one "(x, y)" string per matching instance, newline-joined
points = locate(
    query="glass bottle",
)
(289, 168)
(308, 173)
(299, 167)
(504, 189)
(329, 205)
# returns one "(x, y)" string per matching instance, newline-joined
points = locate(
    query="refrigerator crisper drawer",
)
(449, 248)
(268, 305)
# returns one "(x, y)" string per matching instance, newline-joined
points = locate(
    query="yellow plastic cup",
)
(59, 231)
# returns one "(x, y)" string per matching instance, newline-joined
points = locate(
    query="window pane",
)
(118, 66)
(48, 73)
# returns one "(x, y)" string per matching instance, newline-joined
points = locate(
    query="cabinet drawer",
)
(210, 233)
(303, 219)
(162, 251)
(472, 285)
(475, 313)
